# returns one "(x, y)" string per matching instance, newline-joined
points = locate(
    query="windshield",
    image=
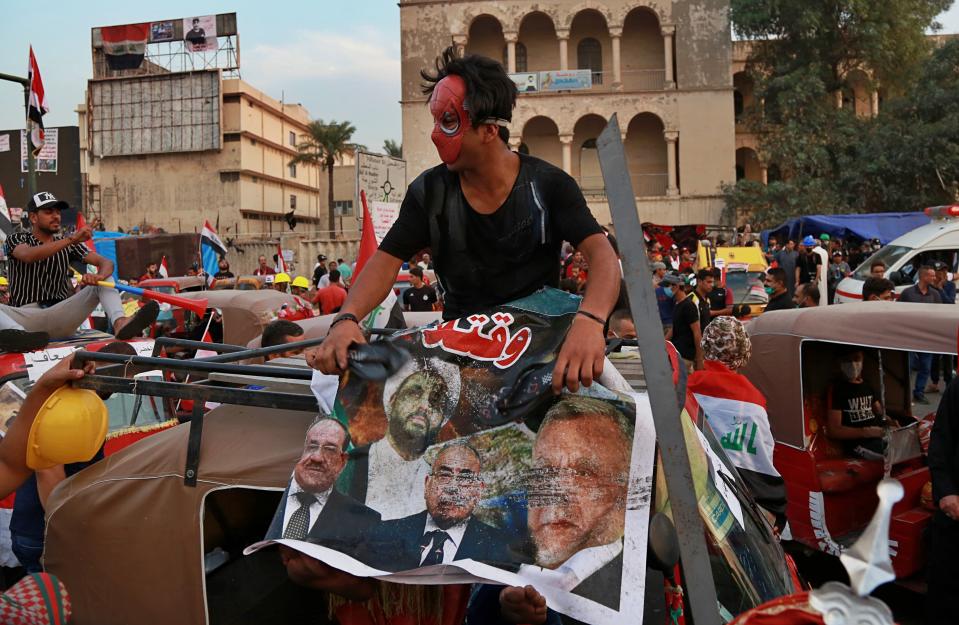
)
(747, 561)
(126, 410)
(888, 255)
(747, 287)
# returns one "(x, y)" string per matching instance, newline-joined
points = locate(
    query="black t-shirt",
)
(855, 402)
(419, 300)
(685, 314)
(807, 264)
(702, 303)
(512, 253)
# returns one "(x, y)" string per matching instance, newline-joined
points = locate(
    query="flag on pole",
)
(211, 250)
(164, 271)
(6, 224)
(207, 338)
(37, 104)
(379, 316)
(280, 262)
(125, 46)
(82, 223)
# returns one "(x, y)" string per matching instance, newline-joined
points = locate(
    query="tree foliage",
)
(324, 143)
(803, 55)
(393, 148)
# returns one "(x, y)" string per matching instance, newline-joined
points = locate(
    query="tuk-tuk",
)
(172, 320)
(193, 537)
(249, 283)
(744, 269)
(831, 496)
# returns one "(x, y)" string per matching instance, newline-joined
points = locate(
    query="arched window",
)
(738, 105)
(740, 172)
(589, 55)
(520, 57)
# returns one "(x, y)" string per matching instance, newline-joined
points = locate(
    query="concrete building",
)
(663, 67)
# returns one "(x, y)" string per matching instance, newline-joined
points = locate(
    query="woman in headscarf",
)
(736, 412)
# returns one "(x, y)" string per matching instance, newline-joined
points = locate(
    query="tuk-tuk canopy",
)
(775, 366)
(245, 313)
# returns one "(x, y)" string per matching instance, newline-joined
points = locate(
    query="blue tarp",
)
(882, 226)
(106, 245)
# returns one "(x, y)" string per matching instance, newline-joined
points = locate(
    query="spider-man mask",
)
(448, 107)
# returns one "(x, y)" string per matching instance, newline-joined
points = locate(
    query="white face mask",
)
(852, 369)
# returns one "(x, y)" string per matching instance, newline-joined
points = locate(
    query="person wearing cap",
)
(483, 213)
(319, 269)
(42, 298)
(281, 282)
(837, 270)
(687, 331)
(659, 270)
(669, 292)
(4, 290)
(808, 263)
(299, 286)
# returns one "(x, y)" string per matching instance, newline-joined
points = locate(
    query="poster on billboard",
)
(463, 466)
(4, 143)
(161, 31)
(566, 80)
(383, 179)
(46, 160)
(526, 82)
(199, 33)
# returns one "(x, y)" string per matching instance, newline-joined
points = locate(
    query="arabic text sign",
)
(4, 142)
(41, 361)
(46, 160)
(467, 436)
(566, 80)
(383, 215)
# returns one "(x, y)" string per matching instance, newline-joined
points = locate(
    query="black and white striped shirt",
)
(46, 281)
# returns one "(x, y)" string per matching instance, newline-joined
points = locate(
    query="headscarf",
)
(725, 340)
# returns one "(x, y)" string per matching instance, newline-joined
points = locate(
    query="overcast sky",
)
(339, 59)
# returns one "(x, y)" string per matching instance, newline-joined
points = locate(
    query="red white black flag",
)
(37, 106)
(125, 46)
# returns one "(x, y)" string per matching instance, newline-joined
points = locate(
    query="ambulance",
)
(937, 241)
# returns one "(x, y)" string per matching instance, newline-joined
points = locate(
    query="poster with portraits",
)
(199, 33)
(463, 466)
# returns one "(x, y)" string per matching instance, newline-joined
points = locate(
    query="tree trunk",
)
(329, 170)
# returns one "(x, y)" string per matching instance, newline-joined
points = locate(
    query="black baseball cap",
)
(45, 199)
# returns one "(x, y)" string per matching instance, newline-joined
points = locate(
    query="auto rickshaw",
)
(831, 496)
(184, 505)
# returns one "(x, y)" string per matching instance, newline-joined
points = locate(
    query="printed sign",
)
(463, 466)
(161, 31)
(39, 362)
(526, 82)
(46, 160)
(566, 80)
(4, 143)
(199, 33)
(383, 179)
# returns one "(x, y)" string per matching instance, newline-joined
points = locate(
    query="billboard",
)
(566, 80)
(526, 82)
(46, 159)
(155, 114)
(383, 179)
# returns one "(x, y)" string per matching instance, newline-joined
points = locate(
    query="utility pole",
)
(31, 162)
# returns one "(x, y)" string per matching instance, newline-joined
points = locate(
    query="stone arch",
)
(589, 5)
(471, 13)
(643, 52)
(662, 16)
(537, 31)
(646, 154)
(547, 9)
(748, 166)
(585, 162)
(541, 136)
(485, 36)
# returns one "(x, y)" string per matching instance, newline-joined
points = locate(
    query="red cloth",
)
(368, 244)
(716, 380)
(788, 610)
(330, 298)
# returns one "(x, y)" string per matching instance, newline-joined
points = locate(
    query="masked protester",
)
(855, 416)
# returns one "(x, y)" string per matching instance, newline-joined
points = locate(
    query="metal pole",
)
(697, 574)
(31, 168)
(200, 366)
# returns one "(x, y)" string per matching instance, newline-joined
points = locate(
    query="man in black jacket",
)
(776, 289)
(943, 567)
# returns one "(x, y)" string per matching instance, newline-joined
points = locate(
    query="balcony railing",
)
(644, 185)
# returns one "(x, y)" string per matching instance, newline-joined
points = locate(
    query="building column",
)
(567, 141)
(514, 142)
(616, 35)
(669, 30)
(511, 39)
(672, 180)
(874, 101)
(460, 42)
(562, 35)
(764, 174)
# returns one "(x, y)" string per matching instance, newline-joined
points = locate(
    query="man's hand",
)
(950, 506)
(82, 235)
(62, 374)
(89, 279)
(581, 357)
(331, 356)
(522, 605)
(312, 573)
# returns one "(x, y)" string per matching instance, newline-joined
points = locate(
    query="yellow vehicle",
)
(745, 272)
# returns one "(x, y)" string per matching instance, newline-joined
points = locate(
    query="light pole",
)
(31, 167)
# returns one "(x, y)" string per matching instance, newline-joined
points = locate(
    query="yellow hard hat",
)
(69, 427)
(4, 281)
(281, 277)
(301, 282)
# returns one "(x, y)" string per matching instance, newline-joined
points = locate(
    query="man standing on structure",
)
(494, 220)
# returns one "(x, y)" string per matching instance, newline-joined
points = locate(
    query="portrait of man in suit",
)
(577, 496)
(446, 530)
(313, 510)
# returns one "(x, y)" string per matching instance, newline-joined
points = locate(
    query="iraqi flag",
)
(736, 412)
(6, 225)
(389, 309)
(37, 104)
(164, 270)
(280, 263)
(125, 46)
(211, 250)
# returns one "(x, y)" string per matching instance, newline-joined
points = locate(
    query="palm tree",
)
(392, 148)
(323, 144)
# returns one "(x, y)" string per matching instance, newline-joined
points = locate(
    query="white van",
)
(936, 241)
